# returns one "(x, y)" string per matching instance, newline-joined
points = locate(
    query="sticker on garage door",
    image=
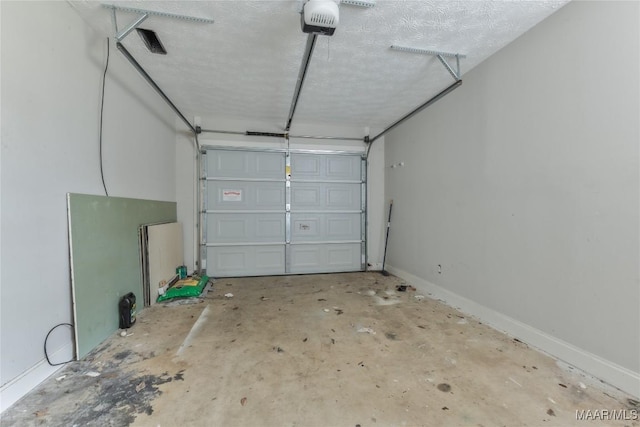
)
(231, 195)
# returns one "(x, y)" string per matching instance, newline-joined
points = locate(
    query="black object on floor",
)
(127, 308)
(386, 240)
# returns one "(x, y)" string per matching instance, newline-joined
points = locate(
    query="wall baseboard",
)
(18, 387)
(607, 371)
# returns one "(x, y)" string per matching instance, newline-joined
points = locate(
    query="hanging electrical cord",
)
(104, 78)
(46, 355)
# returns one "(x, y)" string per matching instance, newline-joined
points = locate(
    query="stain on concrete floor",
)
(318, 350)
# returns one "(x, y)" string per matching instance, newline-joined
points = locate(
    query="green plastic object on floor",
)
(185, 288)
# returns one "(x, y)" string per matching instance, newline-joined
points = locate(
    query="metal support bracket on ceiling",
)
(454, 74)
(440, 55)
(132, 26)
(359, 3)
(143, 15)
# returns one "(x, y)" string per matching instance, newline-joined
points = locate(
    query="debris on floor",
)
(183, 301)
(41, 412)
(515, 382)
(444, 387)
(228, 295)
(304, 366)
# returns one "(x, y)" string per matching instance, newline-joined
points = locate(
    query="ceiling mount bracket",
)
(114, 20)
(132, 26)
(454, 74)
(359, 3)
(144, 14)
(440, 55)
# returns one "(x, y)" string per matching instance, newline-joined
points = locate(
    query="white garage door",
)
(277, 212)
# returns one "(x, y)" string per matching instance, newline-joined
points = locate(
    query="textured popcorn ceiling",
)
(245, 65)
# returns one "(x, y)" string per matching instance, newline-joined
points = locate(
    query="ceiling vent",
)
(320, 17)
(151, 40)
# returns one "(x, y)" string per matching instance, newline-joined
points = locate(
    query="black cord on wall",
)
(104, 76)
(46, 355)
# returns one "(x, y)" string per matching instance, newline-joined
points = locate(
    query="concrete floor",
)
(318, 350)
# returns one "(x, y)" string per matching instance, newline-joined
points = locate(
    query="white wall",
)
(185, 177)
(52, 65)
(523, 184)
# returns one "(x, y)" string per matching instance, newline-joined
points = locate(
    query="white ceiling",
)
(245, 65)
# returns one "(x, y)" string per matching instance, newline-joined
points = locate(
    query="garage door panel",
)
(305, 196)
(325, 167)
(270, 196)
(344, 197)
(240, 195)
(271, 227)
(270, 165)
(325, 227)
(305, 166)
(261, 221)
(306, 228)
(232, 258)
(245, 260)
(245, 228)
(343, 167)
(343, 256)
(245, 164)
(230, 229)
(323, 258)
(270, 258)
(344, 227)
(325, 196)
(305, 258)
